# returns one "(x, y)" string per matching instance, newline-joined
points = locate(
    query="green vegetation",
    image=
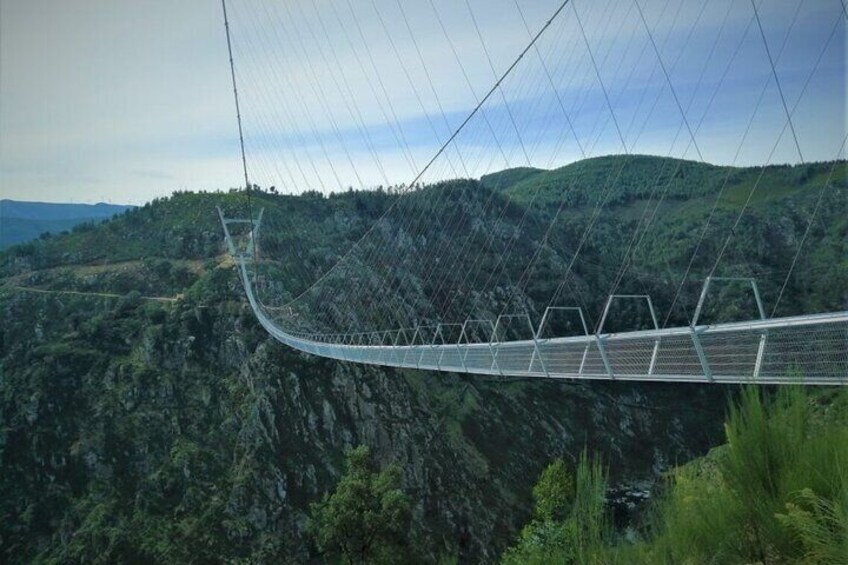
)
(134, 430)
(570, 523)
(366, 518)
(554, 493)
(304, 235)
(777, 492)
(509, 177)
(635, 177)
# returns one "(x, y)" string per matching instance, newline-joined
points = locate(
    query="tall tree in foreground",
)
(366, 519)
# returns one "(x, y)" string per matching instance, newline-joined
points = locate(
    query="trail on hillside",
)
(99, 294)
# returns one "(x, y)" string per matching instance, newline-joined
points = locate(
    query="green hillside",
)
(636, 177)
(146, 417)
(505, 179)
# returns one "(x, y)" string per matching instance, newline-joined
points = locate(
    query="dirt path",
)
(100, 294)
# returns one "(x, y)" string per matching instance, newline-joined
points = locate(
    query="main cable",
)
(238, 119)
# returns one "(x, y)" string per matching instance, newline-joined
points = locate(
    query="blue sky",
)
(126, 101)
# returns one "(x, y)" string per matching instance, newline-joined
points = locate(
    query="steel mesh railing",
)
(811, 349)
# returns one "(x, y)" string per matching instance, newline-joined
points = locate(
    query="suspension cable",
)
(238, 119)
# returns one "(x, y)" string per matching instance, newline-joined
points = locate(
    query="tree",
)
(554, 492)
(366, 519)
(570, 522)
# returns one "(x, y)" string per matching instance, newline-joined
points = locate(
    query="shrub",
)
(571, 523)
(775, 493)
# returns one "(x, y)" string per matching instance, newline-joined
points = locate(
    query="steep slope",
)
(142, 430)
(145, 431)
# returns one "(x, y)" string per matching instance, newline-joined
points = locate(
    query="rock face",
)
(160, 432)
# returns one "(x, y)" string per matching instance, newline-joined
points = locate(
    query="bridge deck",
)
(811, 349)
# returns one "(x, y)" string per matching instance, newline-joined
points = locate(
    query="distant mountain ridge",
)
(22, 221)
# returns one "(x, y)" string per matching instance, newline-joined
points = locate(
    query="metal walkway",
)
(810, 349)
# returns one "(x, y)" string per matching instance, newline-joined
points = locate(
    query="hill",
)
(505, 179)
(162, 431)
(24, 221)
(586, 181)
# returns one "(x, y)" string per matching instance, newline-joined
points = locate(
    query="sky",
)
(123, 102)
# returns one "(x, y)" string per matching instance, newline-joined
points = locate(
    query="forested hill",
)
(145, 416)
(637, 177)
(679, 198)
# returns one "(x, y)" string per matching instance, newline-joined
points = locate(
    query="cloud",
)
(130, 100)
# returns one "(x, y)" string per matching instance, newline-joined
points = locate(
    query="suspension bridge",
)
(444, 279)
